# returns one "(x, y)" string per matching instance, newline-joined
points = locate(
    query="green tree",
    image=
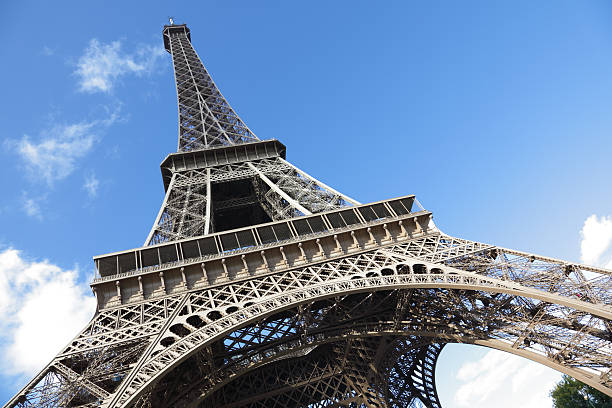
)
(571, 393)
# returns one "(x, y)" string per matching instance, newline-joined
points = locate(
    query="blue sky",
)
(497, 115)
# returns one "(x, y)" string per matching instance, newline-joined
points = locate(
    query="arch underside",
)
(340, 351)
(353, 372)
(362, 349)
(384, 314)
(439, 302)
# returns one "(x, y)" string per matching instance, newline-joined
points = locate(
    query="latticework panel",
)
(184, 212)
(282, 191)
(205, 118)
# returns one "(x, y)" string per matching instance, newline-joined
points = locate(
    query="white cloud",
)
(91, 185)
(31, 206)
(103, 64)
(596, 243)
(48, 51)
(43, 308)
(503, 380)
(53, 157)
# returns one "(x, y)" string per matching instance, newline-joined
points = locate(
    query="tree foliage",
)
(571, 393)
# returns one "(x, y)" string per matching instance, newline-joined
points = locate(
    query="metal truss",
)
(199, 343)
(205, 118)
(282, 190)
(260, 286)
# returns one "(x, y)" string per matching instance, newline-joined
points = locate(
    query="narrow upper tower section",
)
(206, 119)
(223, 177)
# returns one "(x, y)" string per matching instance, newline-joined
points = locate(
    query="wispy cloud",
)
(102, 64)
(37, 297)
(48, 51)
(503, 380)
(596, 241)
(31, 205)
(54, 155)
(91, 185)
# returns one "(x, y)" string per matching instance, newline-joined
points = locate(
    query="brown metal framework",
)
(260, 286)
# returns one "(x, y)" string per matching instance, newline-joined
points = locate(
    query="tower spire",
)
(206, 119)
(223, 177)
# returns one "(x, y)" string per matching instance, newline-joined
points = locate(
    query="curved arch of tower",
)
(260, 286)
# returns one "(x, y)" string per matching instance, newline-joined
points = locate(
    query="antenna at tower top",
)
(171, 20)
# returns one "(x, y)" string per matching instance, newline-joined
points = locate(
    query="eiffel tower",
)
(260, 286)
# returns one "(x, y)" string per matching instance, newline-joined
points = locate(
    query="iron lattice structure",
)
(260, 286)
